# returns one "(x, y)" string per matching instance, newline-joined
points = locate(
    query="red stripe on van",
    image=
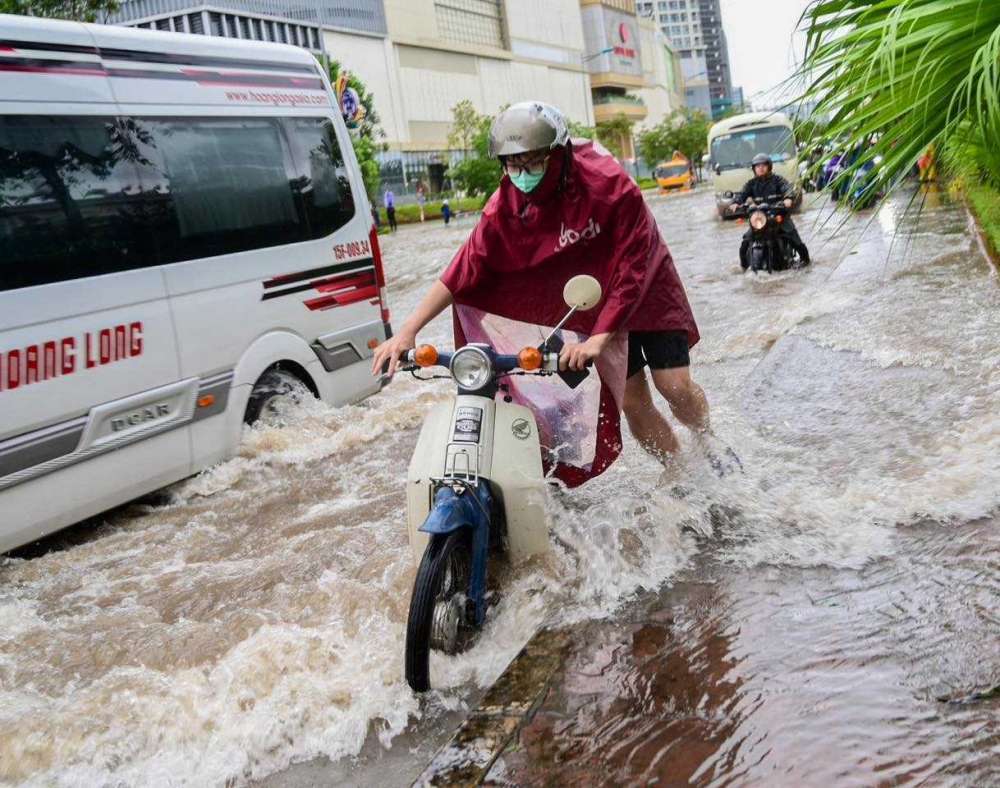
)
(233, 79)
(75, 70)
(339, 283)
(341, 299)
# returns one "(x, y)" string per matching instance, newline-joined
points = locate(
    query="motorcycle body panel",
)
(469, 436)
(769, 250)
(452, 510)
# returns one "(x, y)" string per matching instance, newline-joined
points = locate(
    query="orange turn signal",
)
(372, 343)
(426, 356)
(530, 358)
(206, 400)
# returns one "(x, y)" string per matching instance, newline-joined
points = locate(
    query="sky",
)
(760, 35)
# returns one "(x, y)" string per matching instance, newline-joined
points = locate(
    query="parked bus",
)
(184, 234)
(674, 174)
(733, 142)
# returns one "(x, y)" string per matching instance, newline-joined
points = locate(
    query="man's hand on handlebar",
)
(788, 202)
(580, 355)
(390, 351)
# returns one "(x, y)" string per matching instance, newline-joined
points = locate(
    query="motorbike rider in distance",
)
(564, 209)
(764, 185)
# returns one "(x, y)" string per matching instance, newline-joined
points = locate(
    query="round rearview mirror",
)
(582, 292)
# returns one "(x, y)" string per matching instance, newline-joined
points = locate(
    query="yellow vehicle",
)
(674, 174)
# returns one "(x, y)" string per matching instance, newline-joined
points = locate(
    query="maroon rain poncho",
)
(585, 217)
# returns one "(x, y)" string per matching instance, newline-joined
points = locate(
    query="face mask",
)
(526, 182)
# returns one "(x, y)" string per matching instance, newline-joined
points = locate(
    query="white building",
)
(663, 81)
(419, 58)
(694, 27)
(491, 52)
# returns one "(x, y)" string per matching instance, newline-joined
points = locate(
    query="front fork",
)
(462, 504)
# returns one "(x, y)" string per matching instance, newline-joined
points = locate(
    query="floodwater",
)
(780, 676)
(253, 617)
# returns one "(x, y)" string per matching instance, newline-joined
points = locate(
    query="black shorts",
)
(658, 350)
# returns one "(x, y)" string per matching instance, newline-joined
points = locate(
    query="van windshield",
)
(671, 170)
(734, 151)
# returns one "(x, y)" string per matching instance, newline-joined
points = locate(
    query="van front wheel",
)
(275, 390)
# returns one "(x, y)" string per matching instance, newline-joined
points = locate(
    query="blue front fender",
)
(452, 511)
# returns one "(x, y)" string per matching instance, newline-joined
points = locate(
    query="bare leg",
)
(645, 422)
(686, 399)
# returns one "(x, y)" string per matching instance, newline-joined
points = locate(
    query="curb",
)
(507, 706)
(991, 254)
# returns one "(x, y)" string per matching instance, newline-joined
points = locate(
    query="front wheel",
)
(272, 395)
(438, 606)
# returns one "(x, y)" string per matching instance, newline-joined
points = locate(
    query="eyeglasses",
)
(521, 167)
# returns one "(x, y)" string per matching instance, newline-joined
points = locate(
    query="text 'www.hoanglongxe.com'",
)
(277, 99)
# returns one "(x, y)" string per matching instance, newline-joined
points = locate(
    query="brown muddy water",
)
(252, 618)
(773, 676)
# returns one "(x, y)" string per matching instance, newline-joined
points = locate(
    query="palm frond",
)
(904, 73)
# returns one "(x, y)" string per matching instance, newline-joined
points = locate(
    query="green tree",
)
(684, 130)
(78, 10)
(577, 130)
(897, 76)
(612, 133)
(367, 137)
(465, 125)
(478, 174)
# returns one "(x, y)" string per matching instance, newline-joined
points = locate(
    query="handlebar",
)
(501, 363)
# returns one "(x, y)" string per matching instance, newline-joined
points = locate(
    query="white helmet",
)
(529, 125)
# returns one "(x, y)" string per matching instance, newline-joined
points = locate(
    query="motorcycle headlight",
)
(471, 368)
(758, 219)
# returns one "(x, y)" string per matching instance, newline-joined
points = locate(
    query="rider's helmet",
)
(762, 158)
(529, 125)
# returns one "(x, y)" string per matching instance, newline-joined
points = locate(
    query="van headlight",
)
(758, 219)
(471, 368)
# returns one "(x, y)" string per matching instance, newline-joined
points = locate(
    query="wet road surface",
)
(775, 676)
(253, 617)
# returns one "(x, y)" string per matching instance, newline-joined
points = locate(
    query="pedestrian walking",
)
(446, 211)
(389, 201)
(421, 198)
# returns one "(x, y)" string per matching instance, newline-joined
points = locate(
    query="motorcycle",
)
(864, 190)
(475, 485)
(768, 249)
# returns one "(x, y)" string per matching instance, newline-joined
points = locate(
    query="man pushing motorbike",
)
(764, 185)
(562, 209)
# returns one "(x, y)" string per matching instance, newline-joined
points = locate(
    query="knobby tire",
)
(426, 587)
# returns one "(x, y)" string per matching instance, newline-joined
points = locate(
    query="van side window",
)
(322, 177)
(217, 185)
(69, 195)
(83, 196)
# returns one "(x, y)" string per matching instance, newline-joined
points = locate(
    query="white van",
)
(732, 144)
(183, 230)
